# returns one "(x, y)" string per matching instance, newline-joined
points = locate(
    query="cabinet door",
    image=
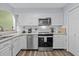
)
(6, 51)
(59, 42)
(28, 19)
(58, 19)
(16, 46)
(35, 42)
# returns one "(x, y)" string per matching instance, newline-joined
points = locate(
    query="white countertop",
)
(14, 35)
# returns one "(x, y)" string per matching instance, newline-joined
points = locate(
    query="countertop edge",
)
(22, 34)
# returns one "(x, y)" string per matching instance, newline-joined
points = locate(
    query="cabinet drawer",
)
(59, 42)
(58, 36)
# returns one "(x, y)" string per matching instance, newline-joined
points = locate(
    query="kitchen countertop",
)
(14, 35)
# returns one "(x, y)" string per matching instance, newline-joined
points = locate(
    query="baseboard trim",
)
(29, 49)
(58, 49)
(18, 53)
(38, 49)
(71, 53)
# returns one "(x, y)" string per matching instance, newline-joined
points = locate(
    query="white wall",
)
(31, 16)
(6, 7)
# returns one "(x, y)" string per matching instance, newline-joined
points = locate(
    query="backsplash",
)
(35, 29)
(27, 27)
(60, 29)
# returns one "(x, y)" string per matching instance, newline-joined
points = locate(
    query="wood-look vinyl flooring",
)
(44, 53)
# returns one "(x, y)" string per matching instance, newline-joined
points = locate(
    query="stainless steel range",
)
(45, 41)
(45, 36)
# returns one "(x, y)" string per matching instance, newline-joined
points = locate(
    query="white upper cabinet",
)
(33, 19)
(27, 19)
(58, 19)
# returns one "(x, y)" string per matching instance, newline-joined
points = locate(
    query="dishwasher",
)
(29, 41)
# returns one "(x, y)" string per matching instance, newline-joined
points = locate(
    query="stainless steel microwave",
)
(44, 21)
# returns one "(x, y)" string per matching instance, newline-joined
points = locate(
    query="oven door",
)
(45, 41)
(41, 41)
(49, 41)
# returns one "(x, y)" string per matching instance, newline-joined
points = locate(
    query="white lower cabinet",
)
(5, 49)
(16, 46)
(59, 42)
(19, 43)
(13, 46)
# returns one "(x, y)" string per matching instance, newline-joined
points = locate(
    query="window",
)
(7, 21)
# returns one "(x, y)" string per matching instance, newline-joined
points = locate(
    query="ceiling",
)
(38, 5)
